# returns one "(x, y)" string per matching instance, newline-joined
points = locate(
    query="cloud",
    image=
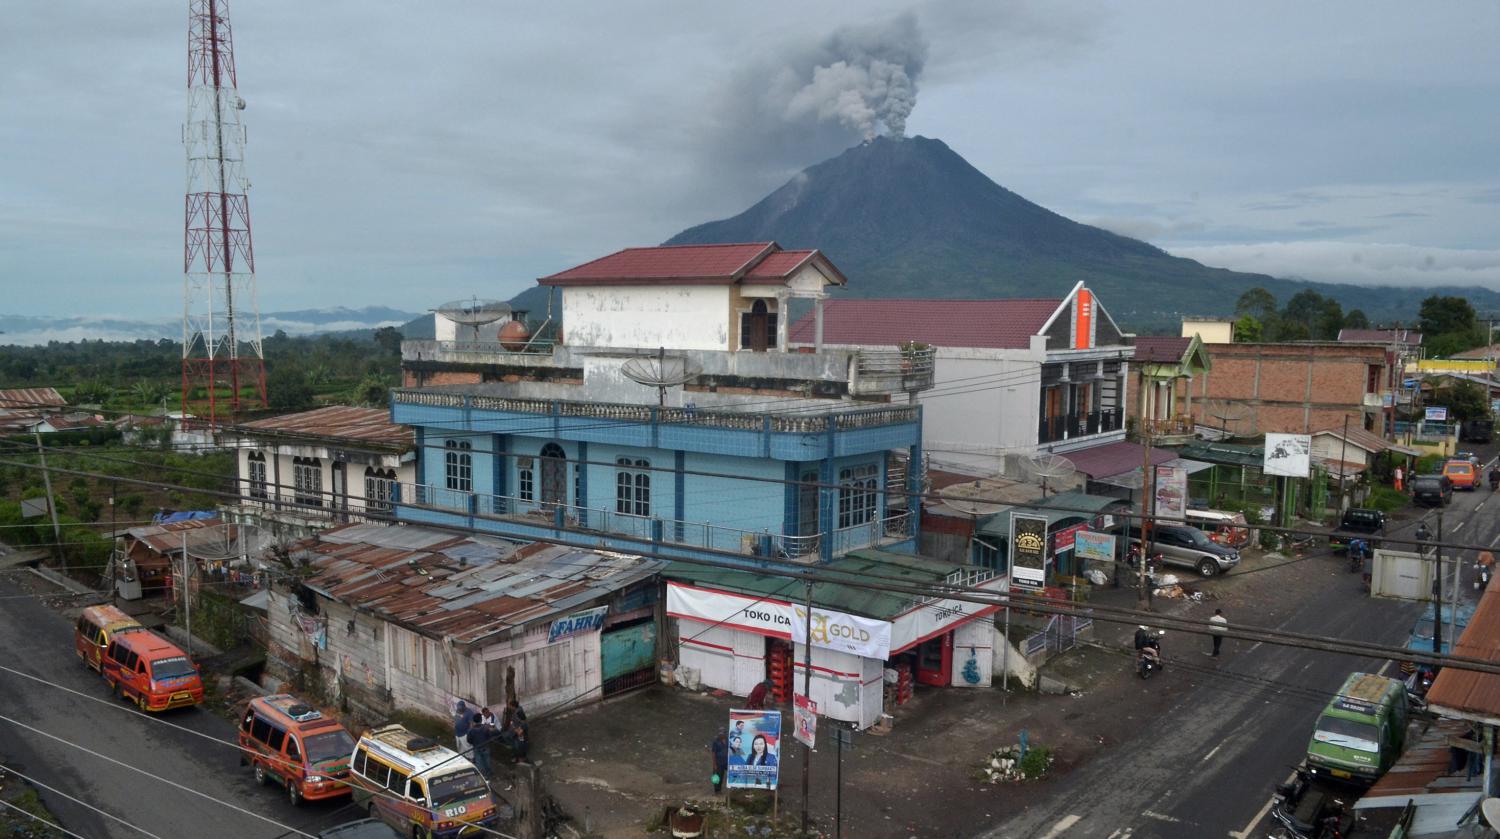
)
(1354, 262)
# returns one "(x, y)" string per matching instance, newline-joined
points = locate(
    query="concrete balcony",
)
(1173, 431)
(868, 372)
(531, 519)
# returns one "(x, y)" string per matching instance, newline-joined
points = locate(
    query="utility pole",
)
(1147, 491)
(51, 502)
(187, 608)
(1437, 601)
(1343, 450)
(807, 693)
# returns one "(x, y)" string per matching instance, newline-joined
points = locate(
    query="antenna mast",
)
(221, 343)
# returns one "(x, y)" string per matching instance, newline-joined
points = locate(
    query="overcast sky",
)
(406, 154)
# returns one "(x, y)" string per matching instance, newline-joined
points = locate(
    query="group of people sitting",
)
(475, 730)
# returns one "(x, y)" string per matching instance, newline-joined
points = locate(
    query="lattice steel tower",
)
(221, 344)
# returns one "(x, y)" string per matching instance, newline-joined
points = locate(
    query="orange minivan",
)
(96, 627)
(1464, 474)
(284, 738)
(151, 671)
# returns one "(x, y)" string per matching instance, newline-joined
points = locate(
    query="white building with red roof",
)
(1011, 376)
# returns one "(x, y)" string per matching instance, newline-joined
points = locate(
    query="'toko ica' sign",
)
(779, 619)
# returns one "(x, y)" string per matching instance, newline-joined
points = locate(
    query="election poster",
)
(805, 720)
(754, 749)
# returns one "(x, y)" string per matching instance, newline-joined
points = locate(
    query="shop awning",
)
(1132, 480)
(1100, 462)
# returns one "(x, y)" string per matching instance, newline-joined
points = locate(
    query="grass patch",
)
(1386, 500)
(20, 825)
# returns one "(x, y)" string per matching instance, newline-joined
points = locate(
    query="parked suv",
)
(1358, 523)
(1432, 490)
(1189, 547)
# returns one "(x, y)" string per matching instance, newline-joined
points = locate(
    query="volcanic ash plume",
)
(864, 78)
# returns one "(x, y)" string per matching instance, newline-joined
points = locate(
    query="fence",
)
(1059, 634)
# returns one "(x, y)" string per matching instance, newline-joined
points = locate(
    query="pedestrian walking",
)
(720, 748)
(478, 739)
(1218, 625)
(463, 720)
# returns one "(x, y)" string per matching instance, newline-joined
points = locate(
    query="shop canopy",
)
(1062, 507)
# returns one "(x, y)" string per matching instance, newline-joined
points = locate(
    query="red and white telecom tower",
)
(221, 344)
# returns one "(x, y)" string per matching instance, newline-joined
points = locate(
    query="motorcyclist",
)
(1484, 567)
(1357, 549)
(1495, 476)
(1147, 646)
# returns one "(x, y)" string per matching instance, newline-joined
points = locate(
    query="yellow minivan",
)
(420, 787)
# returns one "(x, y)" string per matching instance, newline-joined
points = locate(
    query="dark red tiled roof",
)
(1381, 336)
(779, 265)
(1164, 349)
(993, 324)
(677, 263)
(1114, 459)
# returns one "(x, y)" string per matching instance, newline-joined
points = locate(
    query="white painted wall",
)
(643, 317)
(846, 687)
(282, 456)
(991, 407)
(1334, 447)
(974, 639)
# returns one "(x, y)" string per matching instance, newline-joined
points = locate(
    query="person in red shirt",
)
(759, 695)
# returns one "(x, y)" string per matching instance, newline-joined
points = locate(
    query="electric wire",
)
(30, 815)
(79, 801)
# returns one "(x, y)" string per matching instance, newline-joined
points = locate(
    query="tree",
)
(1310, 315)
(389, 338)
(1356, 319)
(1248, 330)
(1446, 315)
(1258, 303)
(373, 392)
(287, 388)
(1464, 400)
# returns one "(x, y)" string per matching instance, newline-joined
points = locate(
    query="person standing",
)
(720, 748)
(463, 720)
(520, 738)
(478, 739)
(1218, 625)
(757, 700)
(1397, 475)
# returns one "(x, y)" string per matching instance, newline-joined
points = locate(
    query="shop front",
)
(735, 629)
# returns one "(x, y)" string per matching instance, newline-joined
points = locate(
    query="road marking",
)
(1062, 824)
(1121, 833)
(1261, 814)
(1160, 817)
(1383, 668)
(1460, 524)
(1212, 753)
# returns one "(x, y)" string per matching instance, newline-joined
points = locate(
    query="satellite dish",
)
(1045, 466)
(1490, 809)
(974, 498)
(474, 313)
(1230, 419)
(661, 371)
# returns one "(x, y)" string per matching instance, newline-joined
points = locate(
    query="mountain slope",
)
(911, 218)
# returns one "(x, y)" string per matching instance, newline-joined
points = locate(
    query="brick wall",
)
(445, 377)
(1291, 388)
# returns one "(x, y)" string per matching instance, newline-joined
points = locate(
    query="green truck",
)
(1361, 732)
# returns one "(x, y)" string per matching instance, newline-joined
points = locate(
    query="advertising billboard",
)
(1171, 493)
(1096, 546)
(1028, 550)
(754, 749)
(1287, 455)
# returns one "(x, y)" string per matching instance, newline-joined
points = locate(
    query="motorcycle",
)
(1148, 652)
(1482, 574)
(1356, 553)
(1307, 813)
(1494, 481)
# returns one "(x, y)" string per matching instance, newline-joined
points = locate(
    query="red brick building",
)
(1296, 387)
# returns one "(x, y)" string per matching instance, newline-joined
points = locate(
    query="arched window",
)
(256, 467)
(554, 474)
(307, 481)
(458, 465)
(758, 328)
(633, 487)
(380, 489)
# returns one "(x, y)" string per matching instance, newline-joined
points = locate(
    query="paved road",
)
(39, 642)
(1206, 767)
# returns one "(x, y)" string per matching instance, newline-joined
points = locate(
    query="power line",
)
(30, 815)
(80, 802)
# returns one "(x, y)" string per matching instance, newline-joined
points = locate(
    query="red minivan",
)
(151, 671)
(289, 741)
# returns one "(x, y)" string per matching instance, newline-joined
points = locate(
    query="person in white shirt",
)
(1218, 625)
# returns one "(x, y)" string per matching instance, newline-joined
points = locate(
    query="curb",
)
(66, 582)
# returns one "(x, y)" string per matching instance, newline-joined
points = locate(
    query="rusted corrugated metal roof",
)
(33, 398)
(167, 538)
(1465, 693)
(1423, 768)
(464, 587)
(338, 422)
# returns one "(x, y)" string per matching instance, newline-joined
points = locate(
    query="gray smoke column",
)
(861, 77)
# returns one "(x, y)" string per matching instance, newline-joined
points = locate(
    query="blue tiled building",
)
(757, 452)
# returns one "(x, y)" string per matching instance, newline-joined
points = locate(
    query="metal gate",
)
(629, 657)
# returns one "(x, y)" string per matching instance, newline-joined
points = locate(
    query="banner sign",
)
(577, 624)
(1062, 540)
(1098, 546)
(1437, 415)
(754, 749)
(1028, 550)
(830, 630)
(938, 616)
(804, 720)
(1171, 493)
(1287, 455)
